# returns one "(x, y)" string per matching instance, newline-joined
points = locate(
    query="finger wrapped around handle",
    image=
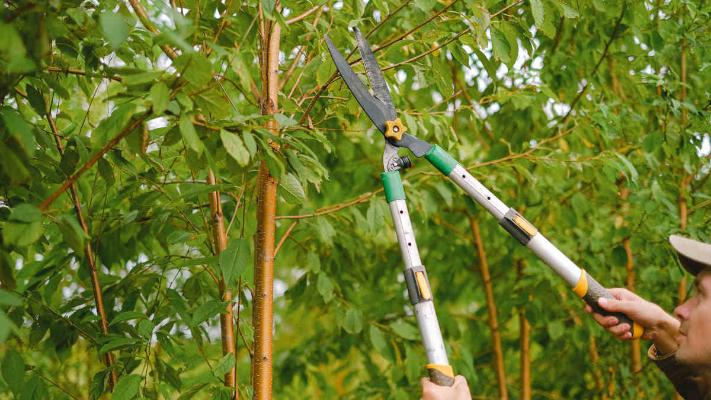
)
(591, 291)
(441, 375)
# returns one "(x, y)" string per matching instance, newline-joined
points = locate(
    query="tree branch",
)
(88, 253)
(76, 71)
(284, 236)
(90, 163)
(333, 208)
(597, 65)
(303, 15)
(146, 22)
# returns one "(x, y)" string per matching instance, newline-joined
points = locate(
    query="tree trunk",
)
(524, 340)
(226, 325)
(635, 348)
(266, 218)
(491, 308)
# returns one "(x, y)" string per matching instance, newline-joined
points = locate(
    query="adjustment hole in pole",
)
(402, 212)
(409, 244)
(488, 197)
(464, 176)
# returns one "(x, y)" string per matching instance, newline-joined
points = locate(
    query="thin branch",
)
(88, 253)
(335, 75)
(416, 28)
(238, 201)
(55, 384)
(90, 163)
(597, 65)
(387, 17)
(284, 236)
(303, 15)
(333, 208)
(76, 71)
(146, 22)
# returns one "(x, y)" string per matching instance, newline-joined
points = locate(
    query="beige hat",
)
(693, 255)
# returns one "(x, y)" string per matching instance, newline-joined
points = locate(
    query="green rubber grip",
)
(393, 186)
(594, 292)
(441, 160)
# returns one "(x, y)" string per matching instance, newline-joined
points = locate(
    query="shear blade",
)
(375, 76)
(373, 107)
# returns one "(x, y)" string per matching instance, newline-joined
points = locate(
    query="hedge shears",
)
(379, 108)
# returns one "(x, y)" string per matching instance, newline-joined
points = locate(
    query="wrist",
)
(663, 334)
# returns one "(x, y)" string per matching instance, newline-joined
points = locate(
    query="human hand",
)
(659, 326)
(458, 391)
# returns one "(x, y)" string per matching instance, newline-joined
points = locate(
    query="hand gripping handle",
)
(441, 375)
(591, 291)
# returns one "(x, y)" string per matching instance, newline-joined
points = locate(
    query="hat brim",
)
(694, 256)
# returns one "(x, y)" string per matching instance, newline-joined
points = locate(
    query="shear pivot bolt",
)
(394, 129)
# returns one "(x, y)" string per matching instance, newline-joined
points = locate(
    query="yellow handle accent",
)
(581, 288)
(422, 286)
(637, 331)
(445, 369)
(526, 226)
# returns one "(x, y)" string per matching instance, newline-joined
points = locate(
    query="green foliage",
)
(491, 82)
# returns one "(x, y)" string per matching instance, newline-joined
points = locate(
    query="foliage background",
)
(592, 117)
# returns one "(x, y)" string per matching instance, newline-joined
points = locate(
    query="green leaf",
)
(19, 129)
(556, 329)
(34, 389)
(114, 28)
(127, 387)
(569, 12)
(9, 299)
(500, 45)
(404, 330)
(353, 322)
(226, 363)
(324, 285)
(377, 339)
(6, 326)
(36, 100)
(127, 316)
(160, 96)
(109, 127)
(145, 328)
(249, 141)
(25, 213)
(235, 260)
(194, 68)
(629, 170)
(511, 34)
(538, 12)
(13, 370)
(268, 8)
(291, 185)
(73, 234)
(187, 130)
(117, 343)
(106, 172)
(234, 146)
(207, 310)
(425, 5)
(284, 121)
(324, 71)
(21, 234)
